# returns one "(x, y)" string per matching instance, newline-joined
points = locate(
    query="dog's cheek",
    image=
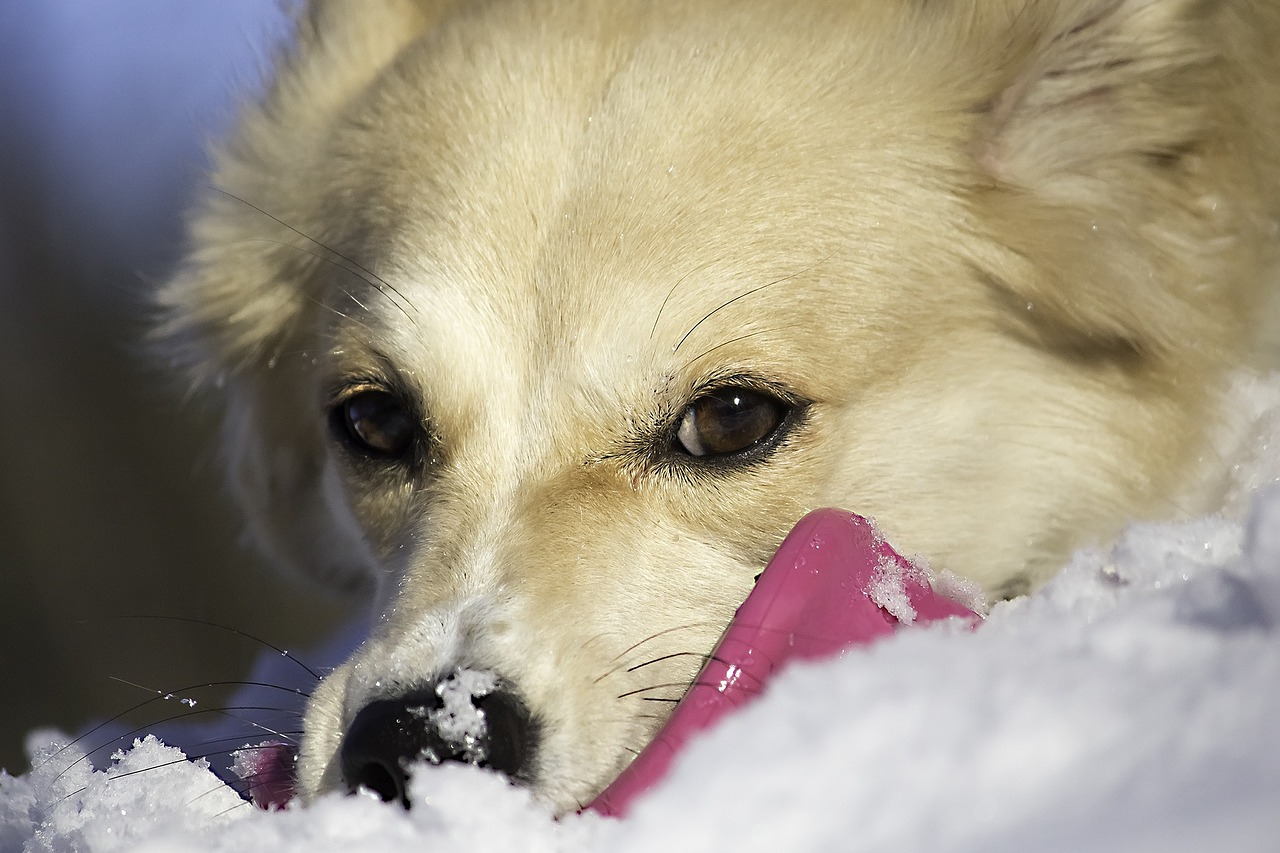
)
(382, 510)
(274, 441)
(615, 656)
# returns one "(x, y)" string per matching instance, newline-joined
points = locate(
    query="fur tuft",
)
(1120, 192)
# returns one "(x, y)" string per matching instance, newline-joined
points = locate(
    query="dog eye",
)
(728, 420)
(377, 423)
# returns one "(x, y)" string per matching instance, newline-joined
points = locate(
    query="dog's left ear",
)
(1123, 172)
(238, 315)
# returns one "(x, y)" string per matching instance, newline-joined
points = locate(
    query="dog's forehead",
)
(566, 323)
(580, 141)
(619, 214)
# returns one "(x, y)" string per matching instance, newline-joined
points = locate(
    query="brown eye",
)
(727, 421)
(376, 422)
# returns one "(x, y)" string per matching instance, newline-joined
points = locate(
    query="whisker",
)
(244, 788)
(662, 718)
(671, 292)
(683, 685)
(164, 697)
(662, 633)
(342, 314)
(353, 298)
(320, 257)
(225, 784)
(290, 735)
(352, 266)
(74, 793)
(620, 664)
(203, 756)
(174, 762)
(240, 805)
(708, 352)
(112, 777)
(742, 296)
(225, 711)
(724, 305)
(236, 631)
(703, 657)
(594, 638)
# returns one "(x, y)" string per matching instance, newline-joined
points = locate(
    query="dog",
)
(539, 323)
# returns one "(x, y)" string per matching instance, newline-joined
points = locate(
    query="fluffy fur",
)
(990, 258)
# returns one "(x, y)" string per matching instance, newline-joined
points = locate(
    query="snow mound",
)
(148, 793)
(1130, 705)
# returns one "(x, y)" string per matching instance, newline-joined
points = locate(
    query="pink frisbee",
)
(833, 583)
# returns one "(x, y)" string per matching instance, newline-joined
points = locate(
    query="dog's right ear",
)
(244, 300)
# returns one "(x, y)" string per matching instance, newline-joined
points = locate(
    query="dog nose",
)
(465, 716)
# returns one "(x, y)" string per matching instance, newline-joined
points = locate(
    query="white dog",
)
(543, 321)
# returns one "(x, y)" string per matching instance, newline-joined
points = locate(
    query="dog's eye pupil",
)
(377, 422)
(727, 421)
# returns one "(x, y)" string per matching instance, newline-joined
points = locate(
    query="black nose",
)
(459, 718)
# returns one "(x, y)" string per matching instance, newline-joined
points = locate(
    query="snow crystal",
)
(888, 588)
(458, 720)
(960, 590)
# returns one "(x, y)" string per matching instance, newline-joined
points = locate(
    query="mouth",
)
(834, 583)
(268, 773)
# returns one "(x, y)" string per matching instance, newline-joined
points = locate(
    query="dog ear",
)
(1110, 153)
(243, 302)
(253, 233)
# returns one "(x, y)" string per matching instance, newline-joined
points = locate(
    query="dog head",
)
(542, 323)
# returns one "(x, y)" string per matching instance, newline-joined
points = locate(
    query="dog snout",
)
(468, 716)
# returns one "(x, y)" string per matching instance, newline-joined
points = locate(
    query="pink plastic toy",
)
(833, 583)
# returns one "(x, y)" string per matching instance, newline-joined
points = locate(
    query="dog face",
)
(544, 322)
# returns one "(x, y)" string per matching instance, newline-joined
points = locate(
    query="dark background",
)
(111, 501)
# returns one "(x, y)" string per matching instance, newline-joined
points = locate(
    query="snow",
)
(458, 720)
(888, 587)
(1130, 705)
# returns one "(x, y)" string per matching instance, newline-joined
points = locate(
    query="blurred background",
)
(111, 501)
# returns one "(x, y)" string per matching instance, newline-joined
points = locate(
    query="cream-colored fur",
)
(993, 257)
